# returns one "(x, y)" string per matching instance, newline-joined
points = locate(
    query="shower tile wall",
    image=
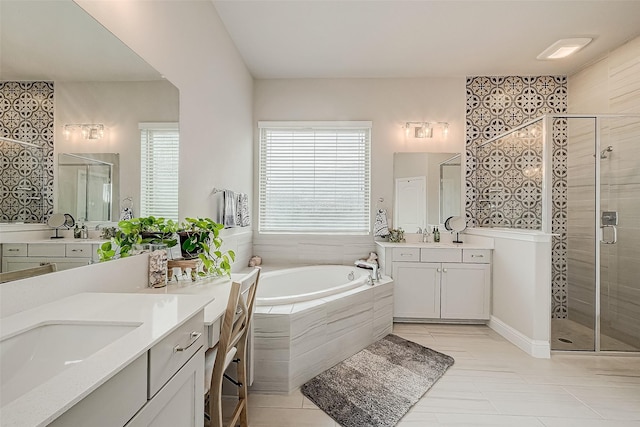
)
(26, 114)
(496, 104)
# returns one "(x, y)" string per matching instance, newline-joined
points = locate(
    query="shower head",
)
(603, 153)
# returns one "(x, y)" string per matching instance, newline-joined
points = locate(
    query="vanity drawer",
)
(440, 255)
(14, 249)
(78, 250)
(477, 256)
(164, 358)
(44, 249)
(406, 254)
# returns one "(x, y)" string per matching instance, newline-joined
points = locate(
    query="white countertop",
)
(440, 245)
(158, 315)
(64, 241)
(213, 289)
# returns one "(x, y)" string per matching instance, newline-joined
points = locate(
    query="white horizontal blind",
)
(159, 169)
(315, 180)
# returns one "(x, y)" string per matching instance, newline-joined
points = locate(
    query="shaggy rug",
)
(378, 385)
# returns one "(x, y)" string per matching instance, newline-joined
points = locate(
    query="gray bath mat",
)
(378, 385)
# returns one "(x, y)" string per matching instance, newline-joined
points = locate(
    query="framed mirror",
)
(428, 189)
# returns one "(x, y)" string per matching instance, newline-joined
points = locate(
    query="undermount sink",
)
(34, 356)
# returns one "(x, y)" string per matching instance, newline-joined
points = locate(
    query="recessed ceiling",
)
(59, 41)
(398, 38)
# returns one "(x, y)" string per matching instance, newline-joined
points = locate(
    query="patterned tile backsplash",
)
(502, 188)
(26, 187)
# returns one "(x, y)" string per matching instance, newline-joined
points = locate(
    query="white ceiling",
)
(57, 40)
(330, 39)
(420, 38)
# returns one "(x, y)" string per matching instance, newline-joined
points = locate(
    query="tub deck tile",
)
(308, 330)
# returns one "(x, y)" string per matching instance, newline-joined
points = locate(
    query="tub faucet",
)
(375, 274)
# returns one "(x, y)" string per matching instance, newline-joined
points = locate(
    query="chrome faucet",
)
(375, 274)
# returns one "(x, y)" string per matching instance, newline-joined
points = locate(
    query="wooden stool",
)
(183, 264)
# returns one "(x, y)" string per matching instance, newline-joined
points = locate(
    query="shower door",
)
(619, 226)
(598, 260)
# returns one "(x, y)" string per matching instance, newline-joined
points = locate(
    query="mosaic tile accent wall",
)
(26, 184)
(496, 104)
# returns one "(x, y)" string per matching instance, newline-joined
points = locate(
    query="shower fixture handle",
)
(609, 220)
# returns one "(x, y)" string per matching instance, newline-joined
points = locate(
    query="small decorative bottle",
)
(436, 235)
(76, 232)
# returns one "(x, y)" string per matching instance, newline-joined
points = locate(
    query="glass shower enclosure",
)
(578, 177)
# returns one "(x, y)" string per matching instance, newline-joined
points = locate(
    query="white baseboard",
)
(536, 348)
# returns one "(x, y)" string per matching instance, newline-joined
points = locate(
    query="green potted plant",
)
(138, 231)
(200, 238)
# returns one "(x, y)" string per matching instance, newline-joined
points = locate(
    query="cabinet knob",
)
(438, 270)
(444, 269)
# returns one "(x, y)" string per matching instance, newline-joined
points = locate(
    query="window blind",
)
(159, 169)
(315, 179)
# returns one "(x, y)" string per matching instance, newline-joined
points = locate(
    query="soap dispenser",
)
(436, 235)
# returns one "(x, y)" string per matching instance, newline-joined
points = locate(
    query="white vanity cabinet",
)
(176, 379)
(438, 282)
(18, 256)
(164, 387)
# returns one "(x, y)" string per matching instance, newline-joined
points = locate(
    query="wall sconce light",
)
(425, 129)
(88, 130)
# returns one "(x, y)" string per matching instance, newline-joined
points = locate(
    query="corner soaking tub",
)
(299, 284)
(307, 319)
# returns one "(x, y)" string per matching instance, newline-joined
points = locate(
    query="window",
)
(315, 177)
(159, 143)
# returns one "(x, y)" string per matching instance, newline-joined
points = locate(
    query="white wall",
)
(389, 103)
(521, 291)
(187, 43)
(120, 106)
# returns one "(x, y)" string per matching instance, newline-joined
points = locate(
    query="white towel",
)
(243, 218)
(230, 203)
(380, 227)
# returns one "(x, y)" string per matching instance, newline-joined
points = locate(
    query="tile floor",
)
(582, 338)
(493, 383)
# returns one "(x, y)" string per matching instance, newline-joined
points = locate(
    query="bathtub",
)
(300, 284)
(307, 319)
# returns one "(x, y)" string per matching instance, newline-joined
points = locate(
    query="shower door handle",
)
(614, 240)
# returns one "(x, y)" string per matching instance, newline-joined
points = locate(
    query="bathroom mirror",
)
(96, 79)
(428, 189)
(87, 185)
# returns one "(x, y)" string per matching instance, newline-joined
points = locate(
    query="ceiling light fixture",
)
(563, 48)
(425, 129)
(88, 130)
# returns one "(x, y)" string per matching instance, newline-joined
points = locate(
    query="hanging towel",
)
(218, 206)
(126, 209)
(242, 210)
(230, 204)
(380, 227)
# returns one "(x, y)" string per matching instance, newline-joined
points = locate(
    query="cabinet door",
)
(180, 402)
(416, 290)
(20, 263)
(465, 291)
